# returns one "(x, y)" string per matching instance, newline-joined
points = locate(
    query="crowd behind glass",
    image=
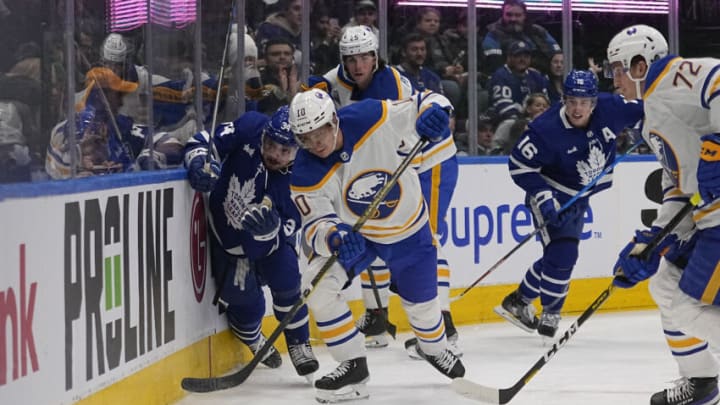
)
(133, 108)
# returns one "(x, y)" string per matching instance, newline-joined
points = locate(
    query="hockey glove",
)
(630, 269)
(353, 254)
(548, 206)
(202, 174)
(262, 221)
(708, 172)
(432, 123)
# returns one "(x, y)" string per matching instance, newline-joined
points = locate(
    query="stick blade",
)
(478, 392)
(212, 384)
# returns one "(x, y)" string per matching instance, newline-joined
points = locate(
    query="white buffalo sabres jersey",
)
(376, 135)
(386, 84)
(681, 105)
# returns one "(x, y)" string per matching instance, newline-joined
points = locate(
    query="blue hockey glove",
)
(262, 221)
(202, 174)
(548, 206)
(353, 254)
(630, 269)
(432, 123)
(708, 171)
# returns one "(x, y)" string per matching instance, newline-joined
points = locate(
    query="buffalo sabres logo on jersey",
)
(664, 154)
(362, 190)
(238, 198)
(592, 167)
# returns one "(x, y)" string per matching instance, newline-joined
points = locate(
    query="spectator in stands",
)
(106, 142)
(284, 24)
(509, 131)
(324, 38)
(21, 87)
(365, 14)
(512, 83)
(279, 75)
(556, 76)
(439, 56)
(514, 26)
(413, 54)
(485, 140)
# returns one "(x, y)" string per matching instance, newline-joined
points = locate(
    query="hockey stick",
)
(389, 327)
(216, 107)
(220, 383)
(540, 227)
(491, 395)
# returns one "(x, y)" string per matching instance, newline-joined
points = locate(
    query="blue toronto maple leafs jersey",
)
(508, 91)
(554, 155)
(243, 181)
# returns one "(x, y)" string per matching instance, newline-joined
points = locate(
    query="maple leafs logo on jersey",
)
(238, 198)
(592, 167)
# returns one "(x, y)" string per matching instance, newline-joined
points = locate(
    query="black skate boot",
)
(517, 312)
(450, 332)
(373, 325)
(272, 358)
(348, 381)
(445, 362)
(689, 391)
(548, 324)
(303, 359)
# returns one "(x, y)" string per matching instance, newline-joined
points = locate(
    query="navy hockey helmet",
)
(581, 83)
(278, 127)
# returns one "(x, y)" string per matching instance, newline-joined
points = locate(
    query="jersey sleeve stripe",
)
(708, 96)
(659, 78)
(320, 184)
(372, 129)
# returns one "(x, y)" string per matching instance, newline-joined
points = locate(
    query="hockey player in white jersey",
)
(682, 126)
(363, 75)
(346, 158)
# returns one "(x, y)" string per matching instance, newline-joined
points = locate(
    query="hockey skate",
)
(347, 382)
(272, 358)
(303, 359)
(548, 324)
(517, 312)
(445, 362)
(689, 391)
(450, 332)
(372, 325)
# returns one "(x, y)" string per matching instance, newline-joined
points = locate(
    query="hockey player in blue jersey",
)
(563, 150)
(253, 228)
(682, 127)
(346, 158)
(363, 75)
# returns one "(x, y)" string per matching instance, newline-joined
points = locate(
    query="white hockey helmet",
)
(114, 48)
(637, 40)
(250, 47)
(357, 40)
(311, 110)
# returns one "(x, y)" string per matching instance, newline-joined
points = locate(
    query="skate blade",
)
(512, 319)
(411, 349)
(347, 393)
(376, 342)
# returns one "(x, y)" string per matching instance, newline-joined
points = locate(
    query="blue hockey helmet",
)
(581, 83)
(278, 127)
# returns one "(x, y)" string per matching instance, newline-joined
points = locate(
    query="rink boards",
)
(105, 291)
